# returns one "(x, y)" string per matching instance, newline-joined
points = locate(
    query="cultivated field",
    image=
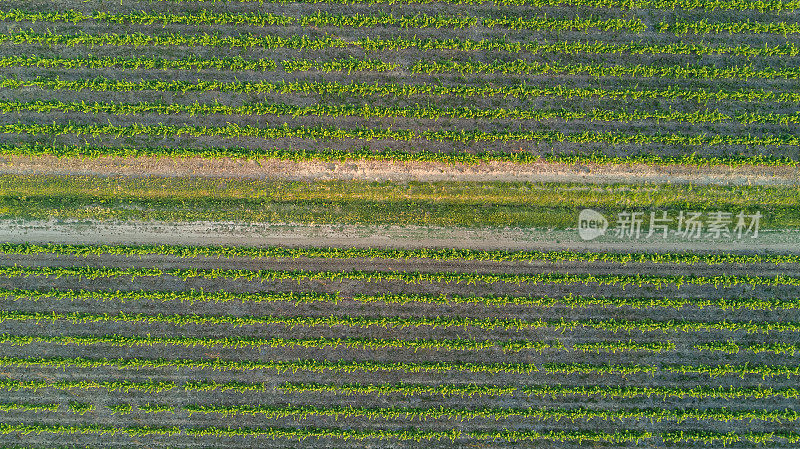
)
(352, 224)
(663, 81)
(222, 347)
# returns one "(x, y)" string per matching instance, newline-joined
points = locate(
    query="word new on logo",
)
(591, 224)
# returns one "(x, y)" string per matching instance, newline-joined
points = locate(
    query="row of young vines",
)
(467, 390)
(575, 436)
(368, 44)
(438, 322)
(407, 277)
(417, 21)
(352, 65)
(350, 366)
(300, 412)
(569, 300)
(521, 91)
(444, 254)
(416, 111)
(331, 133)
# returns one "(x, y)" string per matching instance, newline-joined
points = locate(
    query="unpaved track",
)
(276, 234)
(403, 171)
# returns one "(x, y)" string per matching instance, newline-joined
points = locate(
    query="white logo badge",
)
(591, 224)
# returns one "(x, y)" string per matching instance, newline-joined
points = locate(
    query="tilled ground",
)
(683, 353)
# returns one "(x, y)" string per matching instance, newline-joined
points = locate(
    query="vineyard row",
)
(417, 21)
(82, 407)
(304, 42)
(570, 300)
(444, 66)
(412, 154)
(542, 414)
(410, 389)
(382, 343)
(457, 254)
(349, 366)
(414, 111)
(300, 412)
(576, 436)
(711, 5)
(330, 133)
(469, 390)
(439, 322)
(454, 254)
(364, 89)
(325, 19)
(728, 347)
(408, 277)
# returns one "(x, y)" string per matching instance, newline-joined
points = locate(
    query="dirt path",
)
(266, 234)
(404, 171)
(223, 233)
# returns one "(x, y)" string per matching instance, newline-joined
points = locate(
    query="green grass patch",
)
(445, 203)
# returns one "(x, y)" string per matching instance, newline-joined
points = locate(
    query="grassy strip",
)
(445, 203)
(355, 212)
(401, 213)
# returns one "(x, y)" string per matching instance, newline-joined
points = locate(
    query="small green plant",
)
(80, 407)
(120, 409)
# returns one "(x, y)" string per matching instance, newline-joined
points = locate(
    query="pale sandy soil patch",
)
(404, 171)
